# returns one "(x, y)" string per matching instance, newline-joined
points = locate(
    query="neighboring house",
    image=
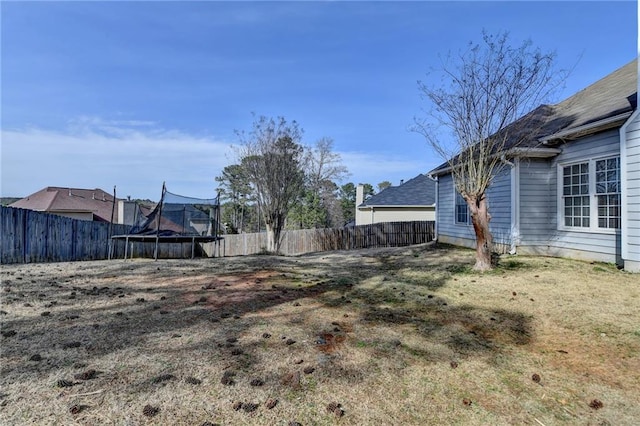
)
(413, 200)
(573, 189)
(76, 203)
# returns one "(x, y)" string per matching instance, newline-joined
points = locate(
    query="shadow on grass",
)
(127, 316)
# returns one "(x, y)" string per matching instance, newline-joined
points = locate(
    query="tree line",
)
(280, 183)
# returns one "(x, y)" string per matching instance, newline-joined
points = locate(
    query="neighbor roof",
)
(605, 104)
(419, 191)
(70, 200)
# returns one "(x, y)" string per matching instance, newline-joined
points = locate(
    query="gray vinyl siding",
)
(445, 212)
(499, 198)
(539, 229)
(631, 221)
(538, 202)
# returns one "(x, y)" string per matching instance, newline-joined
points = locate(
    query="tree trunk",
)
(271, 239)
(480, 218)
(274, 232)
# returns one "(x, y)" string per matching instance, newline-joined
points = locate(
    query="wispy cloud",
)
(136, 156)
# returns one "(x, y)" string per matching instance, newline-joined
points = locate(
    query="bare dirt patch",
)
(388, 336)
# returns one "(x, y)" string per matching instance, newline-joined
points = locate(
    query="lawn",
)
(404, 336)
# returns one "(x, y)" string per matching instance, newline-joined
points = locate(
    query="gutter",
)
(603, 124)
(544, 152)
(393, 206)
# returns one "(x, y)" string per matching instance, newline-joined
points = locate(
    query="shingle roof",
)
(67, 200)
(612, 95)
(604, 100)
(419, 191)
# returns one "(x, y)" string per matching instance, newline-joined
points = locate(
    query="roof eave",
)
(587, 129)
(521, 152)
(534, 152)
(396, 205)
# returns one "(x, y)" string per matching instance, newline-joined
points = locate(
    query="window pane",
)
(602, 223)
(600, 165)
(584, 168)
(585, 222)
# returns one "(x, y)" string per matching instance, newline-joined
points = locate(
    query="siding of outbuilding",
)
(394, 214)
(631, 195)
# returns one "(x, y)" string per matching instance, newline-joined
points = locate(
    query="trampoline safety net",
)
(176, 215)
(175, 219)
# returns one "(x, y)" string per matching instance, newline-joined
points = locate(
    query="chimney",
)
(359, 194)
(401, 181)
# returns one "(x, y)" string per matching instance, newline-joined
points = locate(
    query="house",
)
(413, 200)
(76, 203)
(573, 189)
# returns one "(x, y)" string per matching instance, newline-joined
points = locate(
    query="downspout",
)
(435, 230)
(515, 202)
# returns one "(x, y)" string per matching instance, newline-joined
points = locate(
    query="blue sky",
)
(131, 94)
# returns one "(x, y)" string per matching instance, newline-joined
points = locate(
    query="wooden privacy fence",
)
(388, 234)
(29, 237)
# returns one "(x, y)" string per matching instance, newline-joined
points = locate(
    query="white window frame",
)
(593, 197)
(456, 194)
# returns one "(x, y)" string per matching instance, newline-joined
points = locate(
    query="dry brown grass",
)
(394, 336)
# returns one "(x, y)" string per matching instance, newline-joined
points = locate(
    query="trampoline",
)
(176, 219)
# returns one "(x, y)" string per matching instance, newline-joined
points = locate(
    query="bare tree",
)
(323, 164)
(487, 101)
(323, 169)
(271, 154)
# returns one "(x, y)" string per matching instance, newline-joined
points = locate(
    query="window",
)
(576, 195)
(462, 210)
(591, 194)
(608, 192)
